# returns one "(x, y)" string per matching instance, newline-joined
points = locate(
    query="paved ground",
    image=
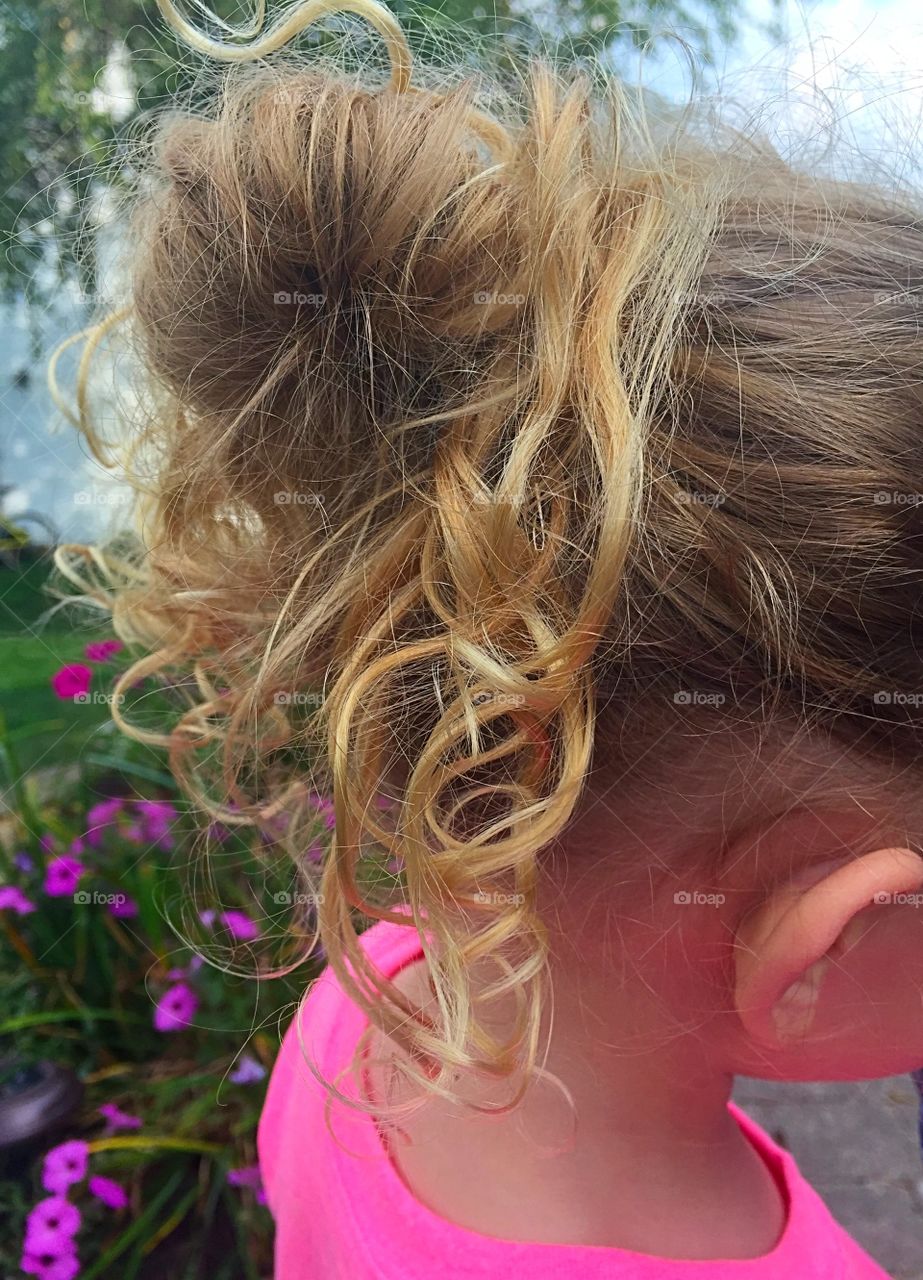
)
(857, 1144)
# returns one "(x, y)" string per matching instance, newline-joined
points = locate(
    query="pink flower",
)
(72, 681)
(64, 1165)
(116, 1118)
(240, 926)
(51, 1226)
(110, 1193)
(157, 811)
(316, 852)
(125, 909)
(102, 650)
(62, 1266)
(77, 847)
(176, 1008)
(46, 844)
(248, 1070)
(13, 899)
(99, 817)
(62, 876)
(157, 817)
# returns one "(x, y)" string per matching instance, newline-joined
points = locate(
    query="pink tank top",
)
(343, 1212)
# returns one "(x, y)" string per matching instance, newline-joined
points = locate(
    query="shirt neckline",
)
(390, 1200)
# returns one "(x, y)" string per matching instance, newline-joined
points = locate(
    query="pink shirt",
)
(343, 1212)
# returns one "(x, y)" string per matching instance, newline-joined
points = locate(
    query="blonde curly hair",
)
(484, 409)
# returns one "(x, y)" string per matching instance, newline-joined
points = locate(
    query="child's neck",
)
(657, 1163)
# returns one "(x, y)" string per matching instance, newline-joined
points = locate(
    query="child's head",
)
(573, 453)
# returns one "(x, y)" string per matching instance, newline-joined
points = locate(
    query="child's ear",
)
(786, 946)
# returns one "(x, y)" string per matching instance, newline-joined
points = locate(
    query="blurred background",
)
(132, 1073)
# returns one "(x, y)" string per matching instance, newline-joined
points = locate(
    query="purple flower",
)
(208, 917)
(116, 1118)
(248, 1176)
(72, 681)
(316, 852)
(123, 907)
(240, 926)
(56, 1214)
(176, 1008)
(77, 847)
(102, 650)
(324, 807)
(248, 1070)
(49, 1266)
(110, 1193)
(46, 843)
(51, 1226)
(61, 876)
(99, 817)
(13, 899)
(157, 816)
(23, 862)
(64, 1165)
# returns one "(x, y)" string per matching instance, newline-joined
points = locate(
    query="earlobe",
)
(784, 949)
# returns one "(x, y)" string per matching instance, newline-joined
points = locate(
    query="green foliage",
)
(80, 981)
(80, 988)
(61, 144)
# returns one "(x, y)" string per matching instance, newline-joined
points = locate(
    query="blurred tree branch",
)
(64, 135)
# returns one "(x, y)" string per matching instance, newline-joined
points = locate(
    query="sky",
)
(850, 69)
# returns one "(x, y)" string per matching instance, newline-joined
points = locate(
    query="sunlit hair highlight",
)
(436, 370)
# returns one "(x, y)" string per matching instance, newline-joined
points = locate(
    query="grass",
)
(45, 730)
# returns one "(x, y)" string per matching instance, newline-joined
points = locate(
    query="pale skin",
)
(803, 972)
